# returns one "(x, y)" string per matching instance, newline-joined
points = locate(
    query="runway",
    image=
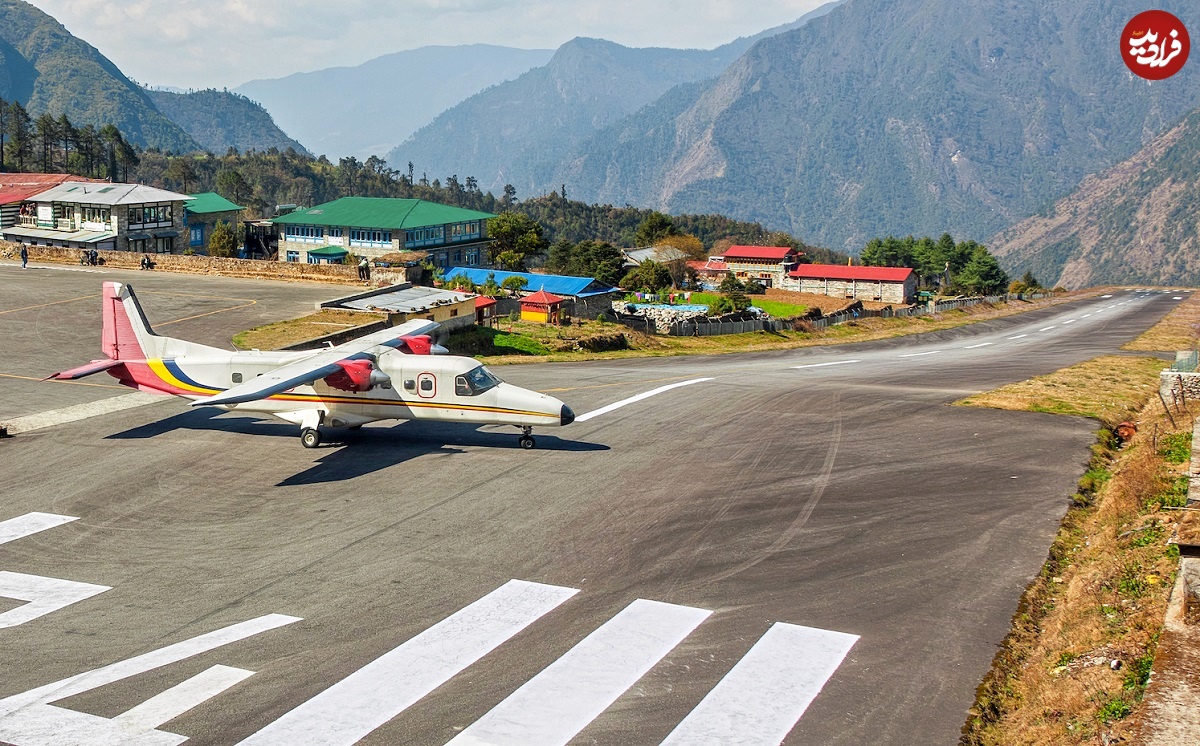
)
(803, 546)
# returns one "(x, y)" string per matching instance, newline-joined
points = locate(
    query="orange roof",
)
(20, 187)
(541, 298)
(482, 301)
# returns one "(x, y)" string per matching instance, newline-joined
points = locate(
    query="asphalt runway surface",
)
(807, 538)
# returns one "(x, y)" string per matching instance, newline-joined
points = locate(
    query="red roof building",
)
(886, 284)
(766, 265)
(16, 188)
(485, 310)
(541, 306)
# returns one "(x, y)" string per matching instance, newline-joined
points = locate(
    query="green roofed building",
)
(374, 226)
(202, 213)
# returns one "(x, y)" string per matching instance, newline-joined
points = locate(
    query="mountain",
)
(366, 110)
(1132, 224)
(520, 131)
(48, 70)
(217, 120)
(926, 116)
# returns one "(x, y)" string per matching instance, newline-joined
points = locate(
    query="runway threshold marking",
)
(78, 412)
(180, 698)
(554, 706)
(374, 694)
(30, 524)
(634, 399)
(763, 697)
(42, 595)
(824, 365)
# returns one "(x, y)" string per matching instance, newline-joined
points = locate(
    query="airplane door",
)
(426, 386)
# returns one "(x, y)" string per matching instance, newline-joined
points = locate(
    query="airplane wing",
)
(318, 365)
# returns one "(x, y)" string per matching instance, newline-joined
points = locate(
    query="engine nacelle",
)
(418, 344)
(357, 376)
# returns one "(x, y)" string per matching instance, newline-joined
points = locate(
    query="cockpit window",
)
(475, 381)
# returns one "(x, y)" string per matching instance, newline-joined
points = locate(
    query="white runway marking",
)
(1106, 296)
(28, 719)
(555, 705)
(824, 365)
(1019, 336)
(1068, 321)
(43, 595)
(381, 690)
(1178, 297)
(761, 699)
(78, 412)
(29, 524)
(17, 266)
(921, 354)
(180, 698)
(638, 398)
(1086, 315)
(1047, 328)
(981, 344)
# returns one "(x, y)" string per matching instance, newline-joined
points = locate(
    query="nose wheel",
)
(526, 440)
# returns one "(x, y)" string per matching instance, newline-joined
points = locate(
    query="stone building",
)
(766, 265)
(202, 213)
(886, 284)
(374, 226)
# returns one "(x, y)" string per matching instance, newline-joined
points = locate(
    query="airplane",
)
(394, 373)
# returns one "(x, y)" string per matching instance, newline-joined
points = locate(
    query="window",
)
(96, 215)
(149, 214)
(303, 233)
(163, 245)
(335, 232)
(426, 236)
(197, 235)
(458, 255)
(465, 231)
(293, 256)
(137, 244)
(359, 237)
(475, 381)
(237, 377)
(427, 384)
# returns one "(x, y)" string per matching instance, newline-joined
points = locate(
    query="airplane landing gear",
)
(310, 437)
(527, 442)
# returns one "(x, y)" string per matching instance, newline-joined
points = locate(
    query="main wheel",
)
(527, 442)
(310, 437)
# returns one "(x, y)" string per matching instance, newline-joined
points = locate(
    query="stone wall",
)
(662, 318)
(1175, 386)
(886, 292)
(210, 265)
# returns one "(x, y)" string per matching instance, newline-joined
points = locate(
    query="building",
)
(202, 213)
(886, 284)
(405, 302)
(709, 272)
(660, 254)
(485, 311)
(99, 215)
(374, 226)
(586, 296)
(767, 265)
(15, 189)
(542, 307)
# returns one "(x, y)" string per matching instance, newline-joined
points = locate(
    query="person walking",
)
(24, 257)
(362, 268)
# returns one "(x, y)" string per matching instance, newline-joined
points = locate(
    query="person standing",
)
(24, 257)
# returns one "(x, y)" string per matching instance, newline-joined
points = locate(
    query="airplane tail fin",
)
(126, 334)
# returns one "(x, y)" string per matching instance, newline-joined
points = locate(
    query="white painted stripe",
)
(1019, 336)
(43, 595)
(1068, 321)
(1106, 296)
(1086, 315)
(89, 680)
(1047, 328)
(29, 524)
(824, 365)
(1178, 297)
(180, 698)
(638, 398)
(385, 687)
(763, 697)
(552, 707)
(920, 354)
(78, 412)
(981, 344)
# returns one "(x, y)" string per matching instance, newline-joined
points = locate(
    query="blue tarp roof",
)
(577, 287)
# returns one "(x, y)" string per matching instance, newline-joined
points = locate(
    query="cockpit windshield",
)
(475, 381)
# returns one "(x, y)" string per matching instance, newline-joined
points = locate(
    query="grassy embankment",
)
(284, 333)
(1103, 591)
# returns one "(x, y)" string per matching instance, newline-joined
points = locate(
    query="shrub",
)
(1176, 448)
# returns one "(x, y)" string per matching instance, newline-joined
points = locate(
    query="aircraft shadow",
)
(371, 449)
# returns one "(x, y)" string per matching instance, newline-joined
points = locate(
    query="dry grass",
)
(1110, 389)
(1177, 331)
(283, 333)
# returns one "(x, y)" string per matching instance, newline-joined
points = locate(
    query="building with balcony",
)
(99, 215)
(374, 226)
(202, 213)
(16, 188)
(767, 265)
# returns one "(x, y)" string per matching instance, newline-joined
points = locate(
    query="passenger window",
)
(410, 385)
(427, 385)
(237, 377)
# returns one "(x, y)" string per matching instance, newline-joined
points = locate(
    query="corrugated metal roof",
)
(208, 202)
(384, 213)
(774, 253)
(565, 285)
(329, 251)
(100, 193)
(76, 236)
(839, 272)
(414, 299)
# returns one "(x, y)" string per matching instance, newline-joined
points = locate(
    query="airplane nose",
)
(567, 415)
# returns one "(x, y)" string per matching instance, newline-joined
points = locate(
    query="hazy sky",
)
(224, 43)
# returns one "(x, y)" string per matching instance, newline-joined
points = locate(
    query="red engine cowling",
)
(356, 375)
(418, 344)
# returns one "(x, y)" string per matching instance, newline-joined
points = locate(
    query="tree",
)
(490, 287)
(20, 128)
(514, 237)
(731, 284)
(5, 116)
(180, 171)
(463, 283)
(513, 284)
(47, 134)
(232, 184)
(982, 274)
(649, 276)
(222, 242)
(654, 227)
